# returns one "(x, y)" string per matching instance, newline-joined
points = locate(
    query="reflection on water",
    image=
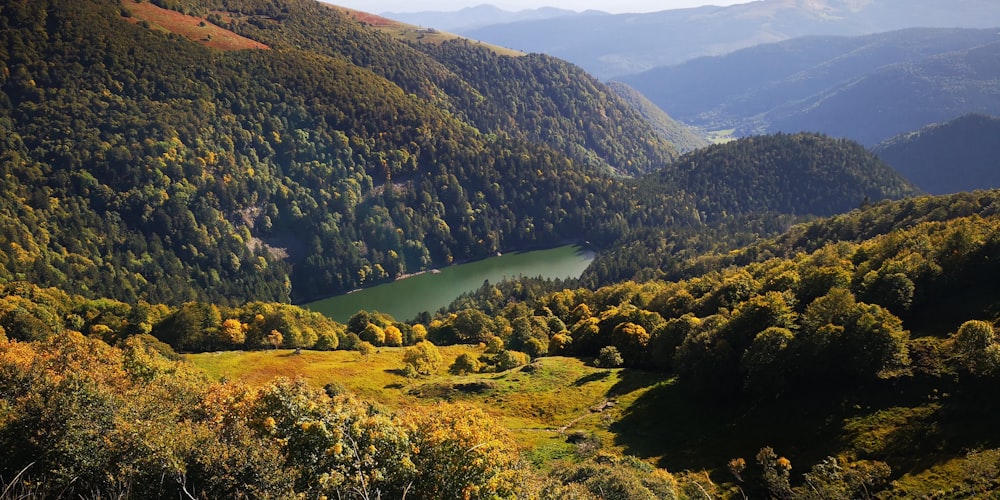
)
(404, 299)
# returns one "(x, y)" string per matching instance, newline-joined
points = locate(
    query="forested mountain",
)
(145, 164)
(611, 46)
(683, 137)
(169, 170)
(960, 155)
(866, 88)
(743, 190)
(799, 174)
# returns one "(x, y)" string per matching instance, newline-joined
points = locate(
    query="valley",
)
(777, 312)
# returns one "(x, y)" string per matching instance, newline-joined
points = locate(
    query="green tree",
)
(373, 334)
(609, 357)
(464, 363)
(977, 348)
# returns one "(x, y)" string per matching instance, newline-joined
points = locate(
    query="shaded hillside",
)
(793, 85)
(874, 108)
(610, 46)
(743, 190)
(803, 174)
(960, 155)
(683, 137)
(545, 97)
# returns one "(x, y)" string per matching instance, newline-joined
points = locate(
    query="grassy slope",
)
(541, 405)
(913, 425)
(193, 28)
(410, 33)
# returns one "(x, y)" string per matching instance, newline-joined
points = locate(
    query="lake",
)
(406, 298)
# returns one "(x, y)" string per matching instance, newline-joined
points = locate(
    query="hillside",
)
(742, 191)
(872, 327)
(342, 157)
(610, 46)
(803, 174)
(959, 155)
(843, 86)
(683, 137)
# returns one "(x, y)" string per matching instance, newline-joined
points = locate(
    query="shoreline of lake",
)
(432, 289)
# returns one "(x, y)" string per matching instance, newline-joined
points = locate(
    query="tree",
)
(775, 473)
(373, 334)
(464, 363)
(494, 345)
(422, 359)
(233, 332)
(841, 337)
(365, 349)
(976, 346)
(393, 336)
(609, 357)
(462, 452)
(275, 338)
(766, 363)
(508, 360)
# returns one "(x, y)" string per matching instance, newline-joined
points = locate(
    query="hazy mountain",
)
(960, 155)
(613, 45)
(476, 17)
(868, 88)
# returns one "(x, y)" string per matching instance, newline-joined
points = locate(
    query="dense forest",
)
(164, 196)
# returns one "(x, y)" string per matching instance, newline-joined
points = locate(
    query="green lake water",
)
(406, 298)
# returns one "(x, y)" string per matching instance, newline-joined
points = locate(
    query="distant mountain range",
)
(609, 46)
(479, 16)
(960, 155)
(867, 88)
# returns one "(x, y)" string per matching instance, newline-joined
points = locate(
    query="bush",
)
(507, 360)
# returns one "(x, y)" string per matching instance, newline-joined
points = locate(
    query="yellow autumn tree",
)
(393, 336)
(233, 332)
(462, 452)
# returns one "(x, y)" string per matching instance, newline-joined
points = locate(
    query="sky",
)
(614, 6)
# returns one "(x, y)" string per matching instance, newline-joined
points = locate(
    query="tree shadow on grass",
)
(593, 377)
(666, 422)
(633, 380)
(685, 430)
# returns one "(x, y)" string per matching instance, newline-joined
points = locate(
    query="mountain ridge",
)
(944, 158)
(783, 86)
(610, 46)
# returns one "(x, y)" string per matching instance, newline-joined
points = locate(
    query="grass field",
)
(193, 28)
(541, 403)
